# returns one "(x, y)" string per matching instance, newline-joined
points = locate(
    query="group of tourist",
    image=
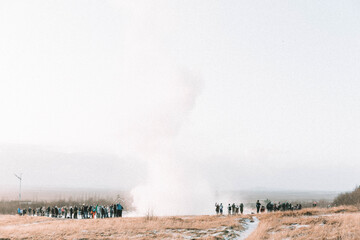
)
(232, 209)
(270, 206)
(76, 212)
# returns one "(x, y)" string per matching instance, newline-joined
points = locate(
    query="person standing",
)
(119, 209)
(258, 205)
(97, 211)
(229, 209)
(82, 211)
(107, 210)
(221, 208)
(111, 211)
(93, 212)
(115, 211)
(75, 212)
(102, 211)
(217, 208)
(241, 208)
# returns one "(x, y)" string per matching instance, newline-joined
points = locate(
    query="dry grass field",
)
(334, 223)
(339, 223)
(205, 227)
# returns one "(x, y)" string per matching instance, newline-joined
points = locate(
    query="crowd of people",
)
(260, 208)
(75, 212)
(273, 207)
(110, 211)
(232, 209)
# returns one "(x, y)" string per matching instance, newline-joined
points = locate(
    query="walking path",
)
(250, 228)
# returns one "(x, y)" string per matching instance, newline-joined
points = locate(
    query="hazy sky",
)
(245, 93)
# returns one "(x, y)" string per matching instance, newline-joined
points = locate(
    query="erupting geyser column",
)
(171, 188)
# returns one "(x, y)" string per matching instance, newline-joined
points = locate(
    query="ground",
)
(335, 223)
(331, 224)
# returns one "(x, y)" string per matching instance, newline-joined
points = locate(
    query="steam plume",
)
(171, 188)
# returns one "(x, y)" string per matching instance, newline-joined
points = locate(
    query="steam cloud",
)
(162, 97)
(171, 188)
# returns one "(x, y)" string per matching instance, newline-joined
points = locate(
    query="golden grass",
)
(335, 223)
(26, 227)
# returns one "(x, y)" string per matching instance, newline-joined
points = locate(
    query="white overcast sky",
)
(271, 97)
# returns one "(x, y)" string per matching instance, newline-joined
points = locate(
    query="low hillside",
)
(350, 198)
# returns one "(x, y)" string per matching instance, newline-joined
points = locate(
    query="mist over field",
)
(174, 101)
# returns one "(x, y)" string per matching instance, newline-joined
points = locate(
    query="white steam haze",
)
(175, 100)
(169, 185)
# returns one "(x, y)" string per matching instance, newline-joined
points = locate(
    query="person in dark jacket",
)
(71, 212)
(258, 205)
(119, 209)
(269, 206)
(115, 211)
(86, 208)
(102, 211)
(262, 209)
(75, 212)
(217, 208)
(241, 208)
(56, 211)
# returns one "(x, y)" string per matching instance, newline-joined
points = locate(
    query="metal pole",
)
(20, 178)
(20, 188)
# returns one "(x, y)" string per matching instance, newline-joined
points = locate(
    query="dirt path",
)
(250, 227)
